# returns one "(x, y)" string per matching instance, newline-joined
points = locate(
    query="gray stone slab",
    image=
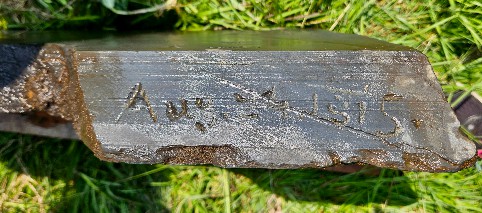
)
(37, 124)
(272, 109)
(318, 104)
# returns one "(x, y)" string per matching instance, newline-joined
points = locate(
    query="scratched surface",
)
(271, 109)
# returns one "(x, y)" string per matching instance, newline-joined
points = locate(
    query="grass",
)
(39, 174)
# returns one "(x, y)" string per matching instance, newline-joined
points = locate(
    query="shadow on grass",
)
(91, 184)
(390, 187)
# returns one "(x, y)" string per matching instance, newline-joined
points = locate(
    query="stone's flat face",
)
(279, 99)
(271, 109)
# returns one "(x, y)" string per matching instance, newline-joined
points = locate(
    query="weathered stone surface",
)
(316, 100)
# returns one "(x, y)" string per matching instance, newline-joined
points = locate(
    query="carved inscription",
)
(239, 98)
(252, 115)
(339, 118)
(417, 123)
(398, 129)
(269, 94)
(173, 114)
(200, 126)
(392, 97)
(136, 93)
(201, 104)
(363, 109)
(346, 117)
(314, 111)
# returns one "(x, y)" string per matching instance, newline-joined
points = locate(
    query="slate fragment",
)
(244, 103)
